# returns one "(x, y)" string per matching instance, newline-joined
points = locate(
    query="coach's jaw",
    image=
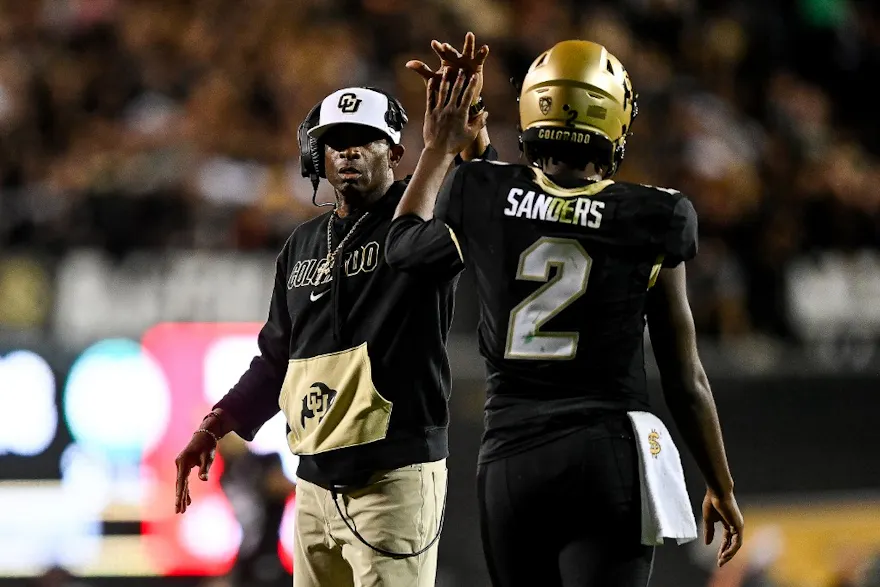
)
(359, 162)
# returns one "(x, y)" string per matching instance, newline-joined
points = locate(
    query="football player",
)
(570, 265)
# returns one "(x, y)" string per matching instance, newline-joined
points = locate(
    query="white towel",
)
(666, 507)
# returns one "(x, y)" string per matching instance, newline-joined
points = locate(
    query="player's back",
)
(562, 276)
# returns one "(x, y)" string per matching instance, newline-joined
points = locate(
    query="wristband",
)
(214, 412)
(477, 107)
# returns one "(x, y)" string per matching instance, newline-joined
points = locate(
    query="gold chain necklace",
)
(330, 259)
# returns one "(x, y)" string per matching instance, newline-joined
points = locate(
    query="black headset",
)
(311, 151)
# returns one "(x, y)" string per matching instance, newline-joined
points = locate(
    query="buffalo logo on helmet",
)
(544, 103)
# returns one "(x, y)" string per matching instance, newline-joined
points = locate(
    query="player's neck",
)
(354, 202)
(564, 174)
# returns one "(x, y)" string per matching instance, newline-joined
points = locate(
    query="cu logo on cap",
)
(349, 103)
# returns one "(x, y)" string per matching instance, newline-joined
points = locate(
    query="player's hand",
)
(199, 452)
(448, 126)
(469, 59)
(724, 509)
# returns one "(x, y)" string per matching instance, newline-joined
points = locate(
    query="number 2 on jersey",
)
(524, 337)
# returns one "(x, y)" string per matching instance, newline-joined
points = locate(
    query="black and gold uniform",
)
(563, 265)
(562, 277)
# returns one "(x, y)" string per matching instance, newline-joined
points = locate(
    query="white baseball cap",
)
(355, 106)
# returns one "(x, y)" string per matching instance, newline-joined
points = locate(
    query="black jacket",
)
(403, 314)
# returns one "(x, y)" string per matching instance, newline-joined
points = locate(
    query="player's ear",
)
(395, 154)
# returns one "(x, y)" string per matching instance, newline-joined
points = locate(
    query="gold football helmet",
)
(578, 93)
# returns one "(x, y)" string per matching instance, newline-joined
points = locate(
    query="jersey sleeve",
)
(254, 399)
(490, 154)
(680, 243)
(414, 244)
(449, 207)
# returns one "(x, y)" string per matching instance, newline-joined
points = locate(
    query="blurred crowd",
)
(131, 124)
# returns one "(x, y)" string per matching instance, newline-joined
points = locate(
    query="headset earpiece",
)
(395, 116)
(311, 153)
(309, 164)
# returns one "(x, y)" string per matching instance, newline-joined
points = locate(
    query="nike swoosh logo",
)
(315, 297)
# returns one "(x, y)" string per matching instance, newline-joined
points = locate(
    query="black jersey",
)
(400, 320)
(562, 276)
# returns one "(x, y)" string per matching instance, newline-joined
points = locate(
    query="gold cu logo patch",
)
(653, 441)
(349, 103)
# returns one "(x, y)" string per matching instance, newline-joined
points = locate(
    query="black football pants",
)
(566, 513)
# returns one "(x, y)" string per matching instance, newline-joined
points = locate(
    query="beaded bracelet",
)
(209, 433)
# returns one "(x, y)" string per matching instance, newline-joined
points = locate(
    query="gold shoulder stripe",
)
(455, 242)
(551, 188)
(655, 270)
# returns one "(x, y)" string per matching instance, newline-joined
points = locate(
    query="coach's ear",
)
(395, 154)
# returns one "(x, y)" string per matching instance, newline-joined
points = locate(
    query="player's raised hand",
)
(199, 452)
(448, 125)
(469, 59)
(724, 509)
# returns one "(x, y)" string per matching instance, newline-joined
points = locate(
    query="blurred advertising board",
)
(87, 455)
(87, 296)
(99, 297)
(834, 296)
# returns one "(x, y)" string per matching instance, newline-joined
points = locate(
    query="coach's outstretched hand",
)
(199, 452)
(469, 59)
(448, 125)
(724, 509)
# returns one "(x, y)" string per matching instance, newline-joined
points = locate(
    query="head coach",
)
(353, 352)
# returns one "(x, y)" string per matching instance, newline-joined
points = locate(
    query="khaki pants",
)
(399, 511)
